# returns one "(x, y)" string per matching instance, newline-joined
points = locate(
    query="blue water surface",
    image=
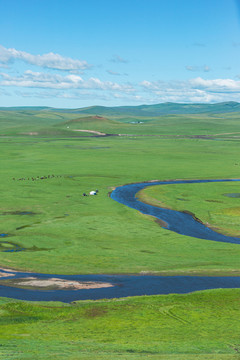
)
(179, 222)
(124, 285)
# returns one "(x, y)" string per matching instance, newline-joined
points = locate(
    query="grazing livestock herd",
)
(38, 178)
(92, 192)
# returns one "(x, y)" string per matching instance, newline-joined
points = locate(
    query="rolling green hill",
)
(162, 109)
(142, 110)
(42, 121)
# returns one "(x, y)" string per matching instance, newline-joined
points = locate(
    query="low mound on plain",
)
(94, 123)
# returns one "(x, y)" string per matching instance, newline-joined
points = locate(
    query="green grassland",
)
(202, 325)
(64, 232)
(99, 235)
(165, 126)
(28, 120)
(212, 203)
(56, 123)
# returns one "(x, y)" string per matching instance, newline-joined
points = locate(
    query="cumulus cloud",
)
(55, 81)
(72, 86)
(216, 85)
(194, 90)
(50, 60)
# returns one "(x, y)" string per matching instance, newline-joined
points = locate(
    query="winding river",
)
(176, 221)
(133, 285)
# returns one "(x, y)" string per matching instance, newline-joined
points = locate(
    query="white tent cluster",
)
(92, 192)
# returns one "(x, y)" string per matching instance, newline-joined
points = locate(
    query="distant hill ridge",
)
(167, 108)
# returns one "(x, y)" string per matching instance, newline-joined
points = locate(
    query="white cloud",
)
(50, 60)
(53, 94)
(55, 81)
(204, 68)
(152, 85)
(129, 98)
(194, 90)
(72, 86)
(216, 85)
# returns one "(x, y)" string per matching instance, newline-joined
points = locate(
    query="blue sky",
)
(76, 53)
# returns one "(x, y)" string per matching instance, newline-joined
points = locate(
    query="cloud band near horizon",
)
(71, 85)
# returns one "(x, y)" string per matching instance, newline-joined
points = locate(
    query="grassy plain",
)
(64, 232)
(70, 233)
(216, 204)
(153, 327)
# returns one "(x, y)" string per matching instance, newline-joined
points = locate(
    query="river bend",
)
(179, 222)
(130, 285)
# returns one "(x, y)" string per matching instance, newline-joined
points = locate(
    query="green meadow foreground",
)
(205, 324)
(64, 232)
